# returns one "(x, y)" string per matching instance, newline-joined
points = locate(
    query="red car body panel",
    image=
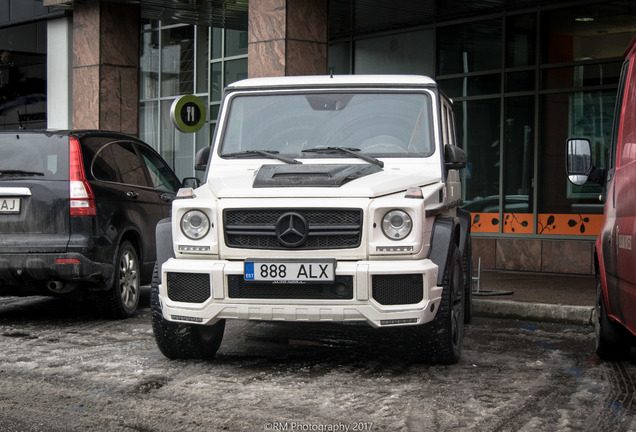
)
(616, 245)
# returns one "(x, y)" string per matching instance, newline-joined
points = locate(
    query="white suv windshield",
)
(377, 124)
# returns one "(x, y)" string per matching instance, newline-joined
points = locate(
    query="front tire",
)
(122, 298)
(440, 341)
(611, 341)
(180, 340)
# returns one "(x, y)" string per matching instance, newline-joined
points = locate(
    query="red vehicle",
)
(615, 246)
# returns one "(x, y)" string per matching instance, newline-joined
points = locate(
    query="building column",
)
(106, 66)
(287, 37)
(59, 65)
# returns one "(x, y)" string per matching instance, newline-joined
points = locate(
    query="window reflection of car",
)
(490, 204)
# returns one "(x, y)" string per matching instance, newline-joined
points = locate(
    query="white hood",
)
(238, 181)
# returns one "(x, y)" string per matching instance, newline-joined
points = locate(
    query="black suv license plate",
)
(9, 205)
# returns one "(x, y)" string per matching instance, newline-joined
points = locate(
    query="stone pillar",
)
(106, 66)
(59, 67)
(287, 37)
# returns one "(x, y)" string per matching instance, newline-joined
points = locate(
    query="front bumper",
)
(382, 293)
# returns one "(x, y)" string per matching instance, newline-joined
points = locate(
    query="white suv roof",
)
(334, 80)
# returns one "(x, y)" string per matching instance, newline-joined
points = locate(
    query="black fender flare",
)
(445, 234)
(163, 237)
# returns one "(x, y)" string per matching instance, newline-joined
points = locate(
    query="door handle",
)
(165, 197)
(131, 194)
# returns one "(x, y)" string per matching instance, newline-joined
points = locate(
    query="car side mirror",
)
(454, 157)
(579, 160)
(201, 159)
(191, 182)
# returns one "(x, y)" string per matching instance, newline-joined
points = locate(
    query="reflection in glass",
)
(202, 59)
(217, 43)
(520, 40)
(581, 76)
(149, 124)
(167, 134)
(216, 78)
(149, 65)
(214, 111)
(581, 115)
(518, 147)
(404, 53)
(235, 70)
(470, 47)
(596, 36)
(340, 58)
(478, 132)
(519, 81)
(177, 61)
(479, 85)
(235, 42)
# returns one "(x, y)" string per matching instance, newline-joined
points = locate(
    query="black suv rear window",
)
(33, 155)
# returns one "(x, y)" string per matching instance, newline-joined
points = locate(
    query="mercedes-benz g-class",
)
(325, 199)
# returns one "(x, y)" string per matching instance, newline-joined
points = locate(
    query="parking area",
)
(62, 369)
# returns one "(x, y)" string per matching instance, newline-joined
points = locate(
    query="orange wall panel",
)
(521, 223)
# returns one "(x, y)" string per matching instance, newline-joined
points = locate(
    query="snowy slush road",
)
(62, 369)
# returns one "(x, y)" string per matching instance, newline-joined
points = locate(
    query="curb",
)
(566, 314)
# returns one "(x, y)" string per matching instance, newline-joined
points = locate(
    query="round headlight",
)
(195, 224)
(396, 224)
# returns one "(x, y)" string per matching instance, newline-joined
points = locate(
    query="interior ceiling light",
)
(584, 19)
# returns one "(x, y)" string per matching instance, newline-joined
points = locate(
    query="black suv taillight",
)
(82, 201)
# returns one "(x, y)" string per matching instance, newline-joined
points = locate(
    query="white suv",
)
(326, 199)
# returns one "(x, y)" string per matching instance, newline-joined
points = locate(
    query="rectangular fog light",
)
(186, 248)
(394, 248)
(398, 321)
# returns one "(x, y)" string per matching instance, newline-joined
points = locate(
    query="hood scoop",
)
(311, 175)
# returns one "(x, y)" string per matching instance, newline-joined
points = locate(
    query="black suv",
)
(78, 210)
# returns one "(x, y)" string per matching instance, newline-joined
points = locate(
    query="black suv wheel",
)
(122, 298)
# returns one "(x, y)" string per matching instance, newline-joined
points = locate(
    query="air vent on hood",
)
(311, 175)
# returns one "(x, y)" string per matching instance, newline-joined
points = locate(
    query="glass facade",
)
(178, 60)
(23, 63)
(521, 83)
(23, 76)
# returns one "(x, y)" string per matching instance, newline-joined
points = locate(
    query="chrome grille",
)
(326, 228)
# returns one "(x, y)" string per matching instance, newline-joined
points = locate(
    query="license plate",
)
(290, 271)
(9, 205)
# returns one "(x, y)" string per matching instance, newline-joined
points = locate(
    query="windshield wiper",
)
(349, 150)
(20, 172)
(269, 154)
